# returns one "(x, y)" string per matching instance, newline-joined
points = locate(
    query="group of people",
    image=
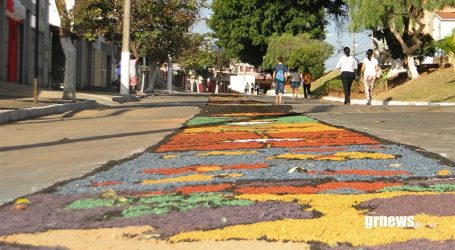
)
(369, 72)
(282, 76)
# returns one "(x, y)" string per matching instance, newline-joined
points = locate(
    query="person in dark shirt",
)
(280, 73)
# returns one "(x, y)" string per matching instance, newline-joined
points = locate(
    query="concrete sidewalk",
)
(39, 152)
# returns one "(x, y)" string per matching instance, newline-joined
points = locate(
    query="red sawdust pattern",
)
(330, 149)
(363, 186)
(106, 183)
(187, 169)
(209, 141)
(366, 172)
(203, 188)
(315, 139)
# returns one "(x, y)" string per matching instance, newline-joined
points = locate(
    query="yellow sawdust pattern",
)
(134, 238)
(341, 222)
(340, 156)
(169, 156)
(216, 153)
(208, 169)
(269, 128)
(444, 172)
(188, 178)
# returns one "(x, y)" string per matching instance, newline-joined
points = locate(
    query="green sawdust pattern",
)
(197, 121)
(433, 188)
(291, 119)
(162, 204)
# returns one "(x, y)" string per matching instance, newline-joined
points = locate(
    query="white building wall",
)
(238, 82)
(442, 29)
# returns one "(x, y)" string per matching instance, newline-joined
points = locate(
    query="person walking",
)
(368, 72)
(280, 73)
(347, 65)
(296, 78)
(306, 84)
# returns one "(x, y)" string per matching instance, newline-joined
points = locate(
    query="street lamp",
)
(35, 80)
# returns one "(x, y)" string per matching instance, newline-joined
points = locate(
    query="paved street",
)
(241, 169)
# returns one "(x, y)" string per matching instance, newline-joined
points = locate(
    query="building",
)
(439, 23)
(17, 41)
(95, 60)
(242, 74)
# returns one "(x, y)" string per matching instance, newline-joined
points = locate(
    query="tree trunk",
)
(69, 89)
(153, 73)
(412, 69)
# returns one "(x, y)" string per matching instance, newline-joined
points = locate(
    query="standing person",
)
(119, 72)
(280, 72)
(247, 88)
(307, 84)
(296, 78)
(348, 65)
(133, 73)
(370, 67)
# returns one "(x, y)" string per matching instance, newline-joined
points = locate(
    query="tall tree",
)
(403, 19)
(243, 27)
(158, 27)
(69, 83)
(299, 52)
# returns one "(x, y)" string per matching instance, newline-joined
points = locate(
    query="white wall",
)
(442, 29)
(238, 81)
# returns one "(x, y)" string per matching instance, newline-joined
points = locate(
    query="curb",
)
(388, 103)
(27, 113)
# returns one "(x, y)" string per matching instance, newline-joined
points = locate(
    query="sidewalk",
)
(17, 102)
(39, 152)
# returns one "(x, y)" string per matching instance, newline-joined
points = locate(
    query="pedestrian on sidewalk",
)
(368, 72)
(306, 84)
(347, 65)
(133, 73)
(296, 78)
(280, 73)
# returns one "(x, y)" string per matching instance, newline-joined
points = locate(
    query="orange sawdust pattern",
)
(361, 186)
(203, 188)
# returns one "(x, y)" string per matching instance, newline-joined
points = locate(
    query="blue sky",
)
(338, 40)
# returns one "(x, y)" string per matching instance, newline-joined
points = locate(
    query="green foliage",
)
(243, 27)
(199, 58)
(400, 19)
(157, 27)
(447, 44)
(331, 86)
(299, 51)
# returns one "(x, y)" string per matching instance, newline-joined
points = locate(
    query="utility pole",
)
(125, 59)
(35, 80)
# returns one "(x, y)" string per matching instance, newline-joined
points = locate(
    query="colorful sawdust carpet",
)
(249, 172)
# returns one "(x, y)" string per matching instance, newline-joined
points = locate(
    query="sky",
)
(338, 40)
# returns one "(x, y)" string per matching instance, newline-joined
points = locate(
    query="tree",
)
(447, 44)
(69, 83)
(299, 52)
(243, 27)
(403, 19)
(158, 28)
